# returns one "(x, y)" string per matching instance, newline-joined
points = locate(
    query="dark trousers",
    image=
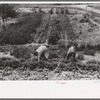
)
(42, 55)
(71, 55)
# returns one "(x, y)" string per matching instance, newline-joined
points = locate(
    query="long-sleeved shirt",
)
(71, 50)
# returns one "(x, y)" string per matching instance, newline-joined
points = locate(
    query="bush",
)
(81, 47)
(54, 30)
(8, 62)
(6, 48)
(86, 46)
(93, 65)
(62, 10)
(51, 11)
(93, 62)
(82, 66)
(42, 30)
(89, 52)
(53, 55)
(69, 66)
(66, 28)
(13, 63)
(62, 44)
(20, 32)
(73, 66)
(66, 11)
(53, 52)
(33, 64)
(80, 56)
(21, 52)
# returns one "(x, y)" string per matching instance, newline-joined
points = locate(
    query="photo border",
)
(14, 1)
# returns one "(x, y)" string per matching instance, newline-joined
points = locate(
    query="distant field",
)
(95, 6)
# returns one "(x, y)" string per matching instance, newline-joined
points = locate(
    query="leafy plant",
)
(21, 32)
(54, 30)
(7, 10)
(8, 62)
(21, 52)
(89, 52)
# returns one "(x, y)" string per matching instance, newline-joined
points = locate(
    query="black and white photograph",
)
(49, 41)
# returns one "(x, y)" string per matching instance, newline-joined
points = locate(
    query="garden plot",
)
(26, 67)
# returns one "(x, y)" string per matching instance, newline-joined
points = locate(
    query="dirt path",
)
(85, 7)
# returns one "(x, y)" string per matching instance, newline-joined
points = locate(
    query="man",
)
(42, 52)
(71, 52)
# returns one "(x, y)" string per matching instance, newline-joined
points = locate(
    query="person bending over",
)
(71, 52)
(42, 52)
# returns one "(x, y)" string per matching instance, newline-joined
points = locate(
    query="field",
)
(24, 66)
(30, 69)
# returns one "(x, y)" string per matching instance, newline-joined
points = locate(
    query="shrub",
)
(66, 28)
(73, 66)
(53, 52)
(70, 66)
(93, 62)
(82, 66)
(80, 56)
(6, 48)
(21, 52)
(62, 10)
(8, 62)
(7, 11)
(33, 64)
(62, 44)
(20, 32)
(66, 11)
(13, 63)
(54, 30)
(51, 11)
(93, 65)
(90, 46)
(42, 30)
(89, 52)
(53, 55)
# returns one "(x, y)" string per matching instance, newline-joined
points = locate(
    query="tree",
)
(21, 31)
(67, 31)
(51, 11)
(54, 31)
(6, 11)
